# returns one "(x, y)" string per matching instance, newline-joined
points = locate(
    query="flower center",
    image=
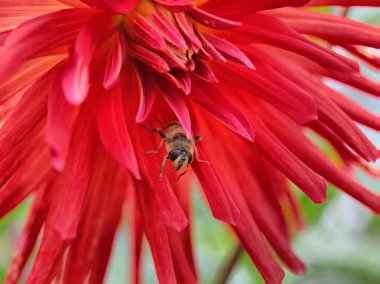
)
(161, 39)
(174, 40)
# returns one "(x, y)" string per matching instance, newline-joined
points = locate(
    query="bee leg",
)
(158, 149)
(162, 168)
(176, 181)
(159, 131)
(197, 138)
(197, 157)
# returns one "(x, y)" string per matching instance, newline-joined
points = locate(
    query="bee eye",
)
(190, 158)
(173, 154)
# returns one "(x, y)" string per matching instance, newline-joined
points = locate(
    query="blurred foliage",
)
(10, 230)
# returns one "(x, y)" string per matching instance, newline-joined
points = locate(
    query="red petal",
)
(150, 167)
(305, 150)
(90, 251)
(354, 110)
(169, 31)
(222, 205)
(274, 151)
(338, 30)
(210, 20)
(345, 2)
(187, 30)
(15, 12)
(229, 50)
(146, 92)
(29, 237)
(114, 132)
(76, 76)
(60, 28)
(107, 229)
(59, 122)
(167, 202)
(269, 30)
(118, 7)
(146, 33)
(30, 174)
(173, 98)
(115, 61)
(251, 238)
(156, 235)
(204, 71)
(223, 111)
(280, 92)
(150, 58)
(84, 144)
(241, 9)
(176, 5)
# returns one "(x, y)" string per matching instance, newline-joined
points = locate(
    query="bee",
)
(181, 150)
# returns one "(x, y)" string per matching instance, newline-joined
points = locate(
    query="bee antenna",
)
(176, 181)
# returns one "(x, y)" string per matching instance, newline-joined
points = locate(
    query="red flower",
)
(77, 77)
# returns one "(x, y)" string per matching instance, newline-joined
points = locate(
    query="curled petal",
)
(115, 62)
(211, 20)
(229, 50)
(146, 90)
(76, 76)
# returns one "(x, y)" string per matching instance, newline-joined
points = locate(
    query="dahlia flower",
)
(79, 79)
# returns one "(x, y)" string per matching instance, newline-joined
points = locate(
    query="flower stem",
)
(227, 267)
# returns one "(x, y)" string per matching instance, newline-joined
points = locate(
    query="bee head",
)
(180, 158)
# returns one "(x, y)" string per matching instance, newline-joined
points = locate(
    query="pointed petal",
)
(113, 130)
(156, 235)
(146, 92)
(314, 158)
(210, 20)
(222, 205)
(268, 30)
(206, 94)
(275, 152)
(173, 98)
(115, 61)
(251, 238)
(29, 237)
(335, 29)
(229, 50)
(79, 164)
